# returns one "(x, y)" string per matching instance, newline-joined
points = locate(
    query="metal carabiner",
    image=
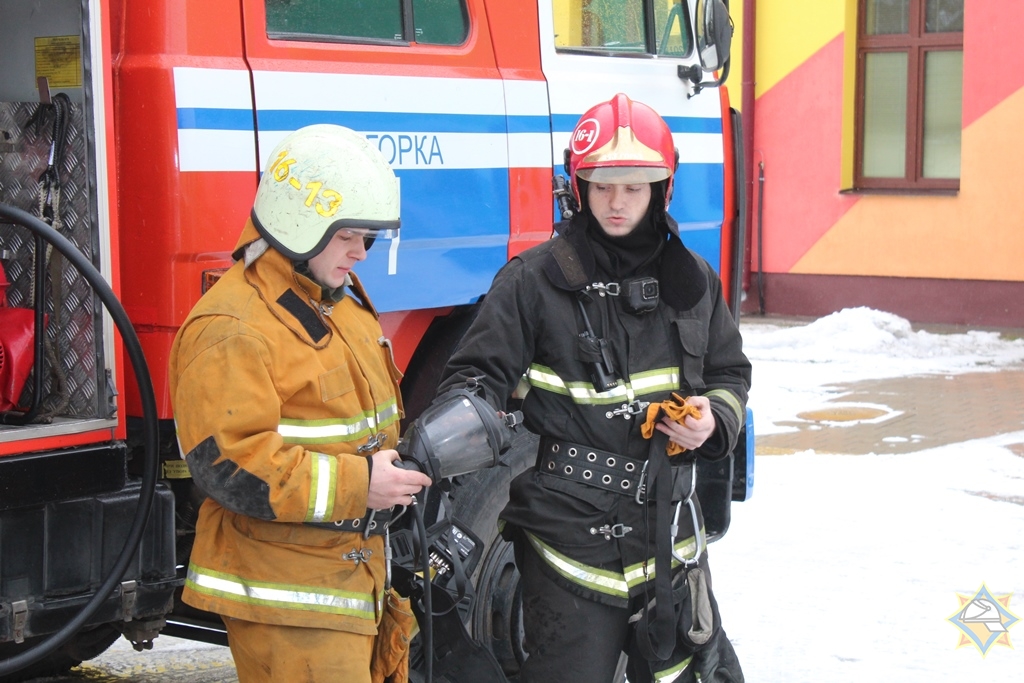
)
(641, 486)
(387, 558)
(674, 529)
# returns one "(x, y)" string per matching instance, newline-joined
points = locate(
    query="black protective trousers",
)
(574, 640)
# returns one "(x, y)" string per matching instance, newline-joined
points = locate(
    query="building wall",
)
(952, 259)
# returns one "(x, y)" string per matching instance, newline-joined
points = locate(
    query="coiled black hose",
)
(149, 472)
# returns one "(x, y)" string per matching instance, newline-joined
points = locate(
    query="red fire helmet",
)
(622, 142)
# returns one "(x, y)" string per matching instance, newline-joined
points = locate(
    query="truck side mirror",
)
(714, 31)
(714, 34)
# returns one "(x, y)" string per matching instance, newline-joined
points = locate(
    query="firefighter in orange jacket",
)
(287, 409)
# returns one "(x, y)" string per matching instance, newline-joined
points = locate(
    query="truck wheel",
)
(83, 646)
(496, 618)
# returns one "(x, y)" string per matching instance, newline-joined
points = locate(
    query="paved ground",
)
(927, 412)
(924, 412)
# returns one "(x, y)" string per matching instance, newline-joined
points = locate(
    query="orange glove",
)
(675, 409)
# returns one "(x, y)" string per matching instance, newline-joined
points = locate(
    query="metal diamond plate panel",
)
(72, 324)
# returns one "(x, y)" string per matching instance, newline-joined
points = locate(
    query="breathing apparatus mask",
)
(459, 433)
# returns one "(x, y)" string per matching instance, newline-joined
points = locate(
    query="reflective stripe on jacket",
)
(274, 391)
(609, 582)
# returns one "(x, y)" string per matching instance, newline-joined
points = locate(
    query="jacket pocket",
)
(335, 383)
(390, 663)
(693, 336)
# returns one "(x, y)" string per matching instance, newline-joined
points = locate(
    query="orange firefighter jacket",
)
(274, 390)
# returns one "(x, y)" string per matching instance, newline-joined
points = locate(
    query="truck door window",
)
(440, 22)
(622, 27)
(434, 22)
(671, 29)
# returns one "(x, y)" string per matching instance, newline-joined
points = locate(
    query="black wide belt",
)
(376, 523)
(591, 466)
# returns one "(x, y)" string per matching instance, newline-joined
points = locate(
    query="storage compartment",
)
(54, 556)
(48, 168)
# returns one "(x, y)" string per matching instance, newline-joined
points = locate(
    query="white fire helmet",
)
(321, 179)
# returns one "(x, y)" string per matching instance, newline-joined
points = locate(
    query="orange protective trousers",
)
(267, 653)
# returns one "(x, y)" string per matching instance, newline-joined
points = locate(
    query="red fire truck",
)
(132, 136)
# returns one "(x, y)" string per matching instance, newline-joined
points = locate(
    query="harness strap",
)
(662, 631)
(375, 520)
(591, 466)
(609, 471)
(569, 263)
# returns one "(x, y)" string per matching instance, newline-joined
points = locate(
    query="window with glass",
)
(910, 92)
(403, 22)
(623, 27)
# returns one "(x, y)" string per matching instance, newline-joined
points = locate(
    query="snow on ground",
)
(794, 366)
(846, 568)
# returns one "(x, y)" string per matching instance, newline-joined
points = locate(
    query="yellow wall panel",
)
(790, 31)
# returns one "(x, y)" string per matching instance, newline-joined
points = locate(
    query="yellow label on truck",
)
(175, 469)
(59, 60)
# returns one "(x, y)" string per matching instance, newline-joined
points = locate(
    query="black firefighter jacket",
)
(529, 325)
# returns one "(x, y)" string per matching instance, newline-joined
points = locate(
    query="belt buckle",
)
(641, 486)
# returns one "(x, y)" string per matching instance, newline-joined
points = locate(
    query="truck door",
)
(418, 78)
(593, 49)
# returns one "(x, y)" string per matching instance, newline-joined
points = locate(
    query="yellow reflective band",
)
(306, 598)
(583, 393)
(598, 580)
(323, 480)
(730, 399)
(664, 379)
(603, 580)
(672, 673)
(685, 548)
(334, 430)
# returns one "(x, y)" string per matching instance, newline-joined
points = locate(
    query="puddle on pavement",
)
(843, 414)
(927, 411)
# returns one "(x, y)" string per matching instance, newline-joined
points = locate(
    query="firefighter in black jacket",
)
(611, 320)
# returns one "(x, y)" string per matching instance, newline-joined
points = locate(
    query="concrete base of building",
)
(985, 303)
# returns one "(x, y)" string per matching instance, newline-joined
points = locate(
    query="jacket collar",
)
(571, 265)
(293, 299)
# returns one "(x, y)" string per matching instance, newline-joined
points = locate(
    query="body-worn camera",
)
(602, 369)
(639, 294)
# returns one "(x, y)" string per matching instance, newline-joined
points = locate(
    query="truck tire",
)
(496, 617)
(83, 646)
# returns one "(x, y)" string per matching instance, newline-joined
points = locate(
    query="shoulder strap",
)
(568, 260)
